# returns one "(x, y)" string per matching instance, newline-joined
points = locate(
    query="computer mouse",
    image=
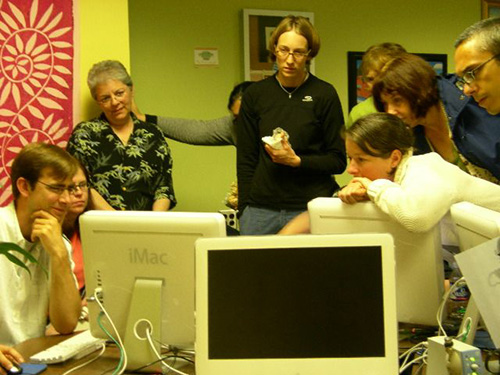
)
(15, 370)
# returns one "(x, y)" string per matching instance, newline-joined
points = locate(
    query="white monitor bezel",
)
(419, 262)
(303, 366)
(107, 240)
(474, 224)
(477, 228)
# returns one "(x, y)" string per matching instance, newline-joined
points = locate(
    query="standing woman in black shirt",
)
(276, 184)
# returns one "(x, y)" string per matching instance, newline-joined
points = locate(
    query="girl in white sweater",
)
(416, 191)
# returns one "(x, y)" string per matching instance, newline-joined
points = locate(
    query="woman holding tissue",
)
(277, 179)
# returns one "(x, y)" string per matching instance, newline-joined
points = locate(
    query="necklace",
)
(295, 89)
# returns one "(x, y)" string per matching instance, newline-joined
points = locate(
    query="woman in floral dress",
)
(129, 160)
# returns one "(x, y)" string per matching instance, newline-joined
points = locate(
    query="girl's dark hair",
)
(411, 77)
(379, 134)
(237, 92)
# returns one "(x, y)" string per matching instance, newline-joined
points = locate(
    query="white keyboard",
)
(75, 347)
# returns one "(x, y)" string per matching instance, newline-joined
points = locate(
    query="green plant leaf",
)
(15, 260)
(9, 246)
(6, 248)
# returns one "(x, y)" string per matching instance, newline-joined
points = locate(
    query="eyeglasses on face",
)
(284, 52)
(470, 76)
(117, 95)
(72, 189)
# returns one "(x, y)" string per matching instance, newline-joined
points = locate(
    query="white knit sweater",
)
(425, 187)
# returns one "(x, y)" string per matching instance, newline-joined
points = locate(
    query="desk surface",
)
(104, 365)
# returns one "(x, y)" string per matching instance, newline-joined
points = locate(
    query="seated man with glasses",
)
(477, 65)
(41, 178)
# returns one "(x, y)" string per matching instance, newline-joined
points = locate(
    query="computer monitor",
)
(419, 263)
(305, 304)
(143, 263)
(475, 226)
(480, 266)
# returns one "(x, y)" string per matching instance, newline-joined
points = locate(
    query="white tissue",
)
(275, 140)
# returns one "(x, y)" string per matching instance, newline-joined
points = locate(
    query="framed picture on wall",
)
(490, 8)
(258, 25)
(357, 91)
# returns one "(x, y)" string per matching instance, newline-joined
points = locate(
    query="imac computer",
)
(419, 264)
(477, 229)
(305, 304)
(142, 264)
(474, 224)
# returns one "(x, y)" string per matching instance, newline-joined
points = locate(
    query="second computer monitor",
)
(474, 224)
(477, 227)
(419, 264)
(141, 265)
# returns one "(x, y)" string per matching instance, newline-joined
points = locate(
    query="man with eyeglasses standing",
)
(41, 178)
(275, 184)
(476, 130)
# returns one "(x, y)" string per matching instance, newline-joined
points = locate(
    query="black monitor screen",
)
(321, 302)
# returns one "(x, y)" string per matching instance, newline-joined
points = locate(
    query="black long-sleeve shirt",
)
(313, 118)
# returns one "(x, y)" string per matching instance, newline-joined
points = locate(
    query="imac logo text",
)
(144, 256)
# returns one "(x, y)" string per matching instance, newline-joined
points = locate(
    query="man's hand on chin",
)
(47, 229)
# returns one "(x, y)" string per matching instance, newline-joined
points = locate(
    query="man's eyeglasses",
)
(72, 189)
(285, 52)
(470, 76)
(105, 100)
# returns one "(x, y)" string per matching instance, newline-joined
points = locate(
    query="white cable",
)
(152, 345)
(415, 348)
(439, 314)
(88, 362)
(122, 347)
(411, 363)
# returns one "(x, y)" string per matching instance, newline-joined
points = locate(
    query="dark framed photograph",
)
(258, 25)
(490, 8)
(357, 91)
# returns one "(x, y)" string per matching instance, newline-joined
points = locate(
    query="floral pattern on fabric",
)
(129, 176)
(36, 78)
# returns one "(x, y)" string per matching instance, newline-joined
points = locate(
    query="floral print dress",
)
(129, 176)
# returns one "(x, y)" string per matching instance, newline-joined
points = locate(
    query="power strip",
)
(231, 218)
(453, 358)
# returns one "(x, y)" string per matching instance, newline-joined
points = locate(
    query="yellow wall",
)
(102, 33)
(163, 35)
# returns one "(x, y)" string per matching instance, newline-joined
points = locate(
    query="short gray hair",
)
(106, 70)
(487, 33)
